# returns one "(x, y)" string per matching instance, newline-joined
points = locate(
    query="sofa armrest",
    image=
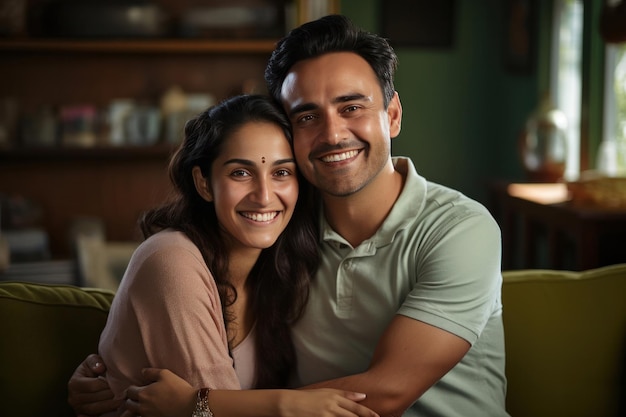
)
(565, 336)
(46, 331)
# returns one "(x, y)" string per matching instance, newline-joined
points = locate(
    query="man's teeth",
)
(260, 217)
(336, 157)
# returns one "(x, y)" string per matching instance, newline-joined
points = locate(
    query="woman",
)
(208, 287)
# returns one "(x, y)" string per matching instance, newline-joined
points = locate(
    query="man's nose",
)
(334, 129)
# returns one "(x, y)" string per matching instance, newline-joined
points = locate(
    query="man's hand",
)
(88, 391)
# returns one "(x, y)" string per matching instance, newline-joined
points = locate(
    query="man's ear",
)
(394, 113)
(202, 185)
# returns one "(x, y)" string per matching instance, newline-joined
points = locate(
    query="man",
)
(406, 304)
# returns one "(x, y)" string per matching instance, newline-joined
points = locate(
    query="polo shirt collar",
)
(408, 206)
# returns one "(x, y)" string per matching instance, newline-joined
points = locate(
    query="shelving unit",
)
(113, 183)
(130, 46)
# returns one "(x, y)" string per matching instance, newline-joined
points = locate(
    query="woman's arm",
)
(167, 314)
(169, 395)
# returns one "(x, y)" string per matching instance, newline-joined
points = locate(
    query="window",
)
(566, 75)
(612, 152)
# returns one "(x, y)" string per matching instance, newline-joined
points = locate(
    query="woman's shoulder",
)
(170, 258)
(168, 250)
(168, 241)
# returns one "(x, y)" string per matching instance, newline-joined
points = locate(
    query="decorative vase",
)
(543, 143)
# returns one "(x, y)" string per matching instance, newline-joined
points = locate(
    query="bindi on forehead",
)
(262, 159)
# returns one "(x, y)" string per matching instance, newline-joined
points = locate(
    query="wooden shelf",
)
(132, 46)
(61, 155)
(114, 183)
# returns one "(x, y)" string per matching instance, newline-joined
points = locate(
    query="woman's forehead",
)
(258, 139)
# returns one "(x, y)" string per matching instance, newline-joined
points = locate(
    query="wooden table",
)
(541, 228)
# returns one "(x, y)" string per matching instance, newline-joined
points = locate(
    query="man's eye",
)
(305, 118)
(351, 108)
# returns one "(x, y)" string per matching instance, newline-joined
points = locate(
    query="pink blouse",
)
(167, 314)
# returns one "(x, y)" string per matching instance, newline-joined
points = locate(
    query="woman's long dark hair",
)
(279, 281)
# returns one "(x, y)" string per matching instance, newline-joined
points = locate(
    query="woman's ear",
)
(202, 185)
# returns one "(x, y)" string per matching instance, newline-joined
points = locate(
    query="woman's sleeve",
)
(168, 316)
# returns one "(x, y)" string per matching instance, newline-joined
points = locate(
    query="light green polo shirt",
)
(436, 258)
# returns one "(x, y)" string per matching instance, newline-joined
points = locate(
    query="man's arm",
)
(409, 358)
(88, 394)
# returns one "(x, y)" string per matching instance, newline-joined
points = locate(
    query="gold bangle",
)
(202, 404)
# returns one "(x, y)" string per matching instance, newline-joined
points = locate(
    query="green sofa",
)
(565, 342)
(565, 336)
(45, 331)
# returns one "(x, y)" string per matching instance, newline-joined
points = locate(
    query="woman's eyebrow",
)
(248, 162)
(284, 161)
(239, 161)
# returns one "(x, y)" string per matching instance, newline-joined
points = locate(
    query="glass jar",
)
(543, 143)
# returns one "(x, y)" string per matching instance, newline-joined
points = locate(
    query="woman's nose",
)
(262, 192)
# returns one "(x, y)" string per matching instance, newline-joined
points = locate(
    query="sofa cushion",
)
(46, 331)
(565, 341)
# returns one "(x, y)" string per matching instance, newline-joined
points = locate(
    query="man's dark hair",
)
(332, 33)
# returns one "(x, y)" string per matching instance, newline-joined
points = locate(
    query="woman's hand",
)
(323, 402)
(166, 395)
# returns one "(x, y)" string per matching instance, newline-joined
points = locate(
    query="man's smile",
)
(338, 157)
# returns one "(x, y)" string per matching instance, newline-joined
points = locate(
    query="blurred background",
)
(94, 95)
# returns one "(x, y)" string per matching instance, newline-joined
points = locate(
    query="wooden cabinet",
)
(113, 183)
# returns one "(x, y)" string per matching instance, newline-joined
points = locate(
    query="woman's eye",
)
(283, 173)
(240, 173)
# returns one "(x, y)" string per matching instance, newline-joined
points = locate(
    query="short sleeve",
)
(458, 276)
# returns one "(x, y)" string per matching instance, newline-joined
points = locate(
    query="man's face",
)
(342, 132)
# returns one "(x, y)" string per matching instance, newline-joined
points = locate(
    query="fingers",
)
(151, 374)
(351, 408)
(361, 410)
(354, 396)
(88, 385)
(95, 364)
(86, 394)
(132, 406)
(132, 392)
(95, 409)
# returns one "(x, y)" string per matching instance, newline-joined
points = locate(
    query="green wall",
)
(463, 110)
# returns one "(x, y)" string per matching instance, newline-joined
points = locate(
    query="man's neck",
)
(357, 217)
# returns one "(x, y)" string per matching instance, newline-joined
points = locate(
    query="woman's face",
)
(254, 185)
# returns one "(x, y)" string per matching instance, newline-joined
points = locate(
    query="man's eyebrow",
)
(352, 97)
(340, 99)
(301, 108)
